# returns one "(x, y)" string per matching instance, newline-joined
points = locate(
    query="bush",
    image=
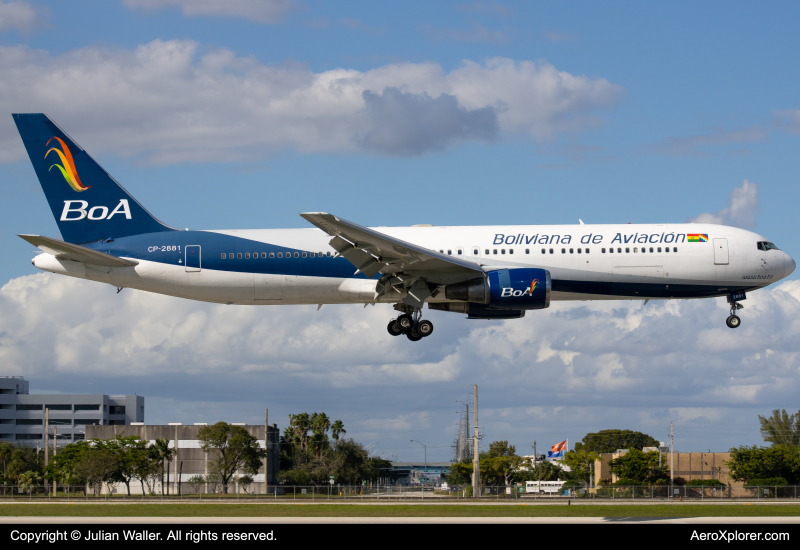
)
(771, 481)
(705, 483)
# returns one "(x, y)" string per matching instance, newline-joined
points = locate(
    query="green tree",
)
(337, 429)
(581, 465)
(300, 424)
(61, 468)
(460, 473)
(545, 470)
(636, 467)
(129, 453)
(24, 459)
(234, 449)
(29, 480)
(95, 467)
(6, 450)
(749, 463)
(781, 428)
(196, 483)
(608, 441)
(501, 464)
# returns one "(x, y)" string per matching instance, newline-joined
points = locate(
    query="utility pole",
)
(671, 460)
(46, 438)
(266, 447)
(55, 450)
(177, 472)
(476, 468)
(538, 469)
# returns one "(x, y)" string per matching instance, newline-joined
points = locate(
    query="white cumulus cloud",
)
(20, 16)
(170, 101)
(741, 210)
(574, 368)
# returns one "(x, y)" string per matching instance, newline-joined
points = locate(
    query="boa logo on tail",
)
(67, 165)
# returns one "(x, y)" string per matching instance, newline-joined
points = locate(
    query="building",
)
(687, 466)
(191, 460)
(22, 414)
(413, 473)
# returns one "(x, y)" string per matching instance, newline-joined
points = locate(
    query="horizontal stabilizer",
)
(76, 253)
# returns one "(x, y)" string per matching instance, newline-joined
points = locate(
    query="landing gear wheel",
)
(405, 322)
(413, 335)
(394, 329)
(733, 321)
(425, 328)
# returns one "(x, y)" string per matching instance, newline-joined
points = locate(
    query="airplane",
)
(485, 272)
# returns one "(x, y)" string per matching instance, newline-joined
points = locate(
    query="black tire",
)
(733, 321)
(405, 322)
(393, 328)
(413, 336)
(425, 328)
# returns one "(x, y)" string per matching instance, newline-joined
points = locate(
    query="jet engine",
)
(505, 289)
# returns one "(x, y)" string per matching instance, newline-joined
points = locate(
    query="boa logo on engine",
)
(509, 292)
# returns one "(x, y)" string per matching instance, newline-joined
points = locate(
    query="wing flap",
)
(76, 253)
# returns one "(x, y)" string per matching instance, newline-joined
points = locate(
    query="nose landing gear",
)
(733, 320)
(411, 325)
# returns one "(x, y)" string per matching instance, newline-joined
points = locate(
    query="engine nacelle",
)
(517, 289)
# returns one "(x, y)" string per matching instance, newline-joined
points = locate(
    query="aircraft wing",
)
(372, 251)
(76, 253)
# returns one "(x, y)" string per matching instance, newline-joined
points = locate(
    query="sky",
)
(245, 113)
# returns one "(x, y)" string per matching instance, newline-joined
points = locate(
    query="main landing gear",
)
(411, 325)
(733, 320)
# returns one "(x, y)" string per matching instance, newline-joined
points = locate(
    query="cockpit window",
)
(764, 245)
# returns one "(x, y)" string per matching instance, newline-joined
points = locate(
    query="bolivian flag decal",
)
(697, 237)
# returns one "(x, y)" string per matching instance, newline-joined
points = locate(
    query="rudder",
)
(88, 204)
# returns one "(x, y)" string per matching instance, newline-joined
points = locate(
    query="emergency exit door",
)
(721, 251)
(192, 261)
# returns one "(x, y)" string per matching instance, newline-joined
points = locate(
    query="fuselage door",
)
(192, 262)
(721, 251)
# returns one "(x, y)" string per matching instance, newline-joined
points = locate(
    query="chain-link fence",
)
(186, 491)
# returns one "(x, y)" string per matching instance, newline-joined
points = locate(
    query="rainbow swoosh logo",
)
(67, 165)
(533, 285)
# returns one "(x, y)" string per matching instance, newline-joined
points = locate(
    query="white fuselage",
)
(586, 262)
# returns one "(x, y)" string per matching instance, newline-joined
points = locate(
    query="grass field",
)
(393, 510)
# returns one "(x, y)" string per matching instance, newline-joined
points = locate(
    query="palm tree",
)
(163, 452)
(320, 424)
(337, 429)
(300, 422)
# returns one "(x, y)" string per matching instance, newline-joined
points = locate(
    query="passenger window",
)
(666, 249)
(651, 249)
(246, 255)
(527, 251)
(239, 255)
(494, 251)
(312, 254)
(271, 254)
(579, 251)
(328, 254)
(304, 255)
(571, 250)
(635, 250)
(459, 252)
(230, 255)
(627, 251)
(602, 250)
(563, 250)
(674, 248)
(510, 250)
(659, 249)
(224, 255)
(587, 250)
(280, 254)
(263, 255)
(449, 252)
(296, 254)
(619, 251)
(475, 251)
(441, 252)
(487, 251)
(551, 251)
(543, 251)
(502, 251)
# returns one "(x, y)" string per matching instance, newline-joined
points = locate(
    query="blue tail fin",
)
(88, 204)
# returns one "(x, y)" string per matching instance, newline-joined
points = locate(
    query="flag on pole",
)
(557, 450)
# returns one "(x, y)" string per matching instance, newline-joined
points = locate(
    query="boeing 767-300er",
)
(485, 272)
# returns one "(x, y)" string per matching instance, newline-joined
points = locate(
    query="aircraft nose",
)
(789, 265)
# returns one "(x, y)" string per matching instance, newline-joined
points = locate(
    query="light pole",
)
(426, 456)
